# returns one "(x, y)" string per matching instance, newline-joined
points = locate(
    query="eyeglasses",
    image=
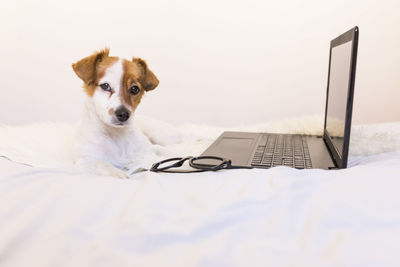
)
(220, 163)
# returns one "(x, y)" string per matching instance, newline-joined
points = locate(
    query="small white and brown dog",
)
(108, 142)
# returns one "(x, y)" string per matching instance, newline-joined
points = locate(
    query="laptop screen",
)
(339, 82)
(340, 92)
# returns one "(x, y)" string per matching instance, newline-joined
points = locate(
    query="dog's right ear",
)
(86, 67)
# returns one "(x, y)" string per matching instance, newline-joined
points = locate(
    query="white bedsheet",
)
(275, 217)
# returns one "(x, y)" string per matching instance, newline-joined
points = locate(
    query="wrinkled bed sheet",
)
(275, 217)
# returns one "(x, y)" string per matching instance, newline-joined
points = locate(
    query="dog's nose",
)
(122, 114)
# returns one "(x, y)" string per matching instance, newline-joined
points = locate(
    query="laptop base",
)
(240, 148)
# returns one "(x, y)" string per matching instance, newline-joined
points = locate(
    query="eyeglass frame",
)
(198, 167)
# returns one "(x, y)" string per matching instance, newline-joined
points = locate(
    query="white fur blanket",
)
(49, 145)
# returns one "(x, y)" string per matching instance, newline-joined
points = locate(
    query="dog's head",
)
(115, 85)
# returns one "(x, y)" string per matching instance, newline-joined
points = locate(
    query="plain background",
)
(219, 62)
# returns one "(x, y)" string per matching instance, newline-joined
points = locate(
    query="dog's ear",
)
(148, 79)
(86, 67)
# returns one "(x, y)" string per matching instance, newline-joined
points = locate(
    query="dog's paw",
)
(106, 169)
(117, 173)
(102, 168)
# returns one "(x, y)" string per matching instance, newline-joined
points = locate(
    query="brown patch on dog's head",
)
(147, 78)
(136, 73)
(90, 69)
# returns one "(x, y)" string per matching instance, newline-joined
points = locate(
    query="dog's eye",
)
(134, 90)
(105, 87)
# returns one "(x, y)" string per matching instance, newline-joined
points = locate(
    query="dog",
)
(108, 142)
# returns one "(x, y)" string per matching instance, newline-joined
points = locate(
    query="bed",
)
(51, 216)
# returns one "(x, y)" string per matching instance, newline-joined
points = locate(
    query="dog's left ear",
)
(86, 68)
(148, 79)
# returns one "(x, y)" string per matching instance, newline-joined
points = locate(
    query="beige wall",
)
(221, 62)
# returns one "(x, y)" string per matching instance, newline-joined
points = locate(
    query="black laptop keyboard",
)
(282, 150)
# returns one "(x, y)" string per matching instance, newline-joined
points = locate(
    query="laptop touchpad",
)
(235, 144)
(237, 149)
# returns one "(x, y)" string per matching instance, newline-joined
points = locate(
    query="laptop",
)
(330, 151)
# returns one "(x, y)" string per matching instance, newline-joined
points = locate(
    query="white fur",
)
(114, 148)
